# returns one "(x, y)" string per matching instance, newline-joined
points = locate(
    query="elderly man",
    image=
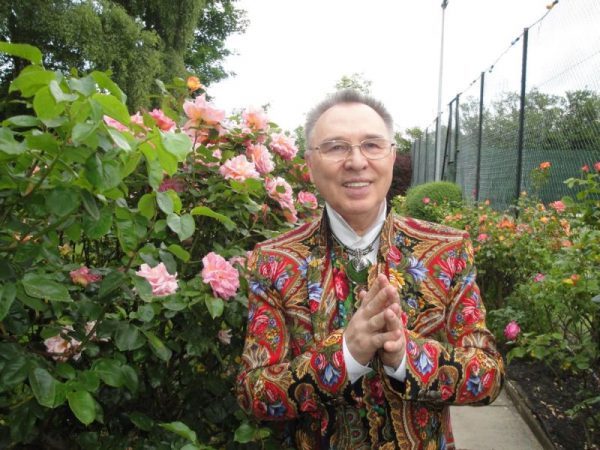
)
(364, 326)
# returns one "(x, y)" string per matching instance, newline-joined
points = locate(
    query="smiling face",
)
(357, 186)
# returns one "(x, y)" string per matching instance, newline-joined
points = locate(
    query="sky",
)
(293, 52)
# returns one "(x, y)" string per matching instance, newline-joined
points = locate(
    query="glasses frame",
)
(359, 145)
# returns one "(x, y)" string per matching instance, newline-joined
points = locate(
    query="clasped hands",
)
(376, 326)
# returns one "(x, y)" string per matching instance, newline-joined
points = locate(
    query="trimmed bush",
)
(420, 199)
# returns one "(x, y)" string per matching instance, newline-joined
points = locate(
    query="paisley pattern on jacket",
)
(293, 366)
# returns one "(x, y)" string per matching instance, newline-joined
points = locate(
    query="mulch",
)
(549, 397)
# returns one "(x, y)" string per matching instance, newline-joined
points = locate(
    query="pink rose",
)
(83, 277)
(482, 237)
(114, 124)
(241, 260)
(175, 184)
(426, 200)
(138, 119)
(284, 198)
(255, 119)
(162, 282)
(512, 330)
(597, 166)
(539, 277)
(222, 277)
(284, 146)
(559, 206)
(238, 168)
(585, 168)
(201, 111)
(162, 121)
(59, 346)
(261, 157)
(224, 336)
(308, 200)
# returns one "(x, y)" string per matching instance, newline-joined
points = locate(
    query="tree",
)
(356, 81)
(138, 40)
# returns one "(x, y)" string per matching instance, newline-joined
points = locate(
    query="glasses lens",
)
(335, 150)
(375, 148)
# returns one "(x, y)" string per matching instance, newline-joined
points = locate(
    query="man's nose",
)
(355, 159)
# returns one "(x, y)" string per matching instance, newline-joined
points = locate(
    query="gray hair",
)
(342, 97)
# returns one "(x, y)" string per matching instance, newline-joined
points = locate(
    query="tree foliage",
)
(138, 40)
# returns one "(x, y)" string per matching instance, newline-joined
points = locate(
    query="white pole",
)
(438, 138)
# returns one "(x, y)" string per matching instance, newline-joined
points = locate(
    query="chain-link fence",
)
(539, 101)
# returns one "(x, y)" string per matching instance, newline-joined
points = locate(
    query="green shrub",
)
(421, 201)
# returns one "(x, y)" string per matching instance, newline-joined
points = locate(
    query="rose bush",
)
(122, 247)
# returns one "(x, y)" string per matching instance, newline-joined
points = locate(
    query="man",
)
(364, 326)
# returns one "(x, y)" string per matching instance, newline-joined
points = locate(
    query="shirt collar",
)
(347, 235)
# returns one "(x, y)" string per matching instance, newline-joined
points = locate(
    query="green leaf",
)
(14, 372)
(8, 292)
(88, 380)
(215, 306)
(206, 211)
(105, 82)
(180, 429)
(130, 163)
(90, 205)
(178, 144)
(145, 313)
(119, 139)
(62, 201)
(142, 421)
(25, 51)
(104, 175)
(31, 79)
(39, 285)
(184, 225)
(113, 108)
(180, 252)
(22, 121)
(65, 370)
(128, 337)
(167, 160)
(164, 202)
(245, 433)
(82, 131)
(8, 143)
(83, 406)
(44, 387)
(146, 206)
(109, 371)
(110, 283)
(176, 200)
(95, 229)
(59, 95)
(130, 378)
(159, 348)
(85, 85)
(45, 106)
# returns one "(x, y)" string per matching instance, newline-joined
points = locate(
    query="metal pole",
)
(479, 140)
(522, 115)
(437, 145)
(456, 134)
(438, 142)
(425, 165)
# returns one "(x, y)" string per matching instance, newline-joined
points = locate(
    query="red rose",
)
(340, 283)
(394, 255)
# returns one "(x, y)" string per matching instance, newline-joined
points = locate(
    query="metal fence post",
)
(436, 146)
(522, 116)
(426, 155)
(447, 142)
(456, 134)
(479, 140)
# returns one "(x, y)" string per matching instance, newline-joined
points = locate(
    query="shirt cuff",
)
(355, 369)
(398, 374)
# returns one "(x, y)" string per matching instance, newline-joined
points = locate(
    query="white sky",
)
(294, 52)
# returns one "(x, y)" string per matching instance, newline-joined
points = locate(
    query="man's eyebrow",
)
(344, 138)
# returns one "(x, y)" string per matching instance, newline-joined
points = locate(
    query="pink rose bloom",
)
(114, 124)
(284, 198)
(255, 119)
(482, 237)
(512, 330)
(597, 166)
(308, 200)
(174, 184)
(539, 277)
(238, 168)
(261, 157)
(199, 110)
(162, 121)
(241, 260)
(83, 277)
(222, 277)
(60, 345)
(558, 205)
(426, 200)
(224, 336)
(284, 146)
(585, 168)
(162, 282)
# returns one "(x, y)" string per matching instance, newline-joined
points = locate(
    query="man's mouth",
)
(356, 184)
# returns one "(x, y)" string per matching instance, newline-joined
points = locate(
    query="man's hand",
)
(376, 324)
(392, 352)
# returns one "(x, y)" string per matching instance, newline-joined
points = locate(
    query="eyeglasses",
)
(338, 150)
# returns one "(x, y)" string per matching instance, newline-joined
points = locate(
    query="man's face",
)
(357, 186)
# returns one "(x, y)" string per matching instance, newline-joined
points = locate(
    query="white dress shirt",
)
(347, 236)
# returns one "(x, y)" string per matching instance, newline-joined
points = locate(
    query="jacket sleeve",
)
(276, 383)
(463, 365)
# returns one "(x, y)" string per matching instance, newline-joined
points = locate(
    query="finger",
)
(379, 283)
(394, 346)
(380, 339)
(392, 319)
(384, 298)
(377, 322)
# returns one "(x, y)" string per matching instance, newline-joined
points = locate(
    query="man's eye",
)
(372, 145)
(337, 147)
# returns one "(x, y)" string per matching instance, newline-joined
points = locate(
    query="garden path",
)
(498, 426)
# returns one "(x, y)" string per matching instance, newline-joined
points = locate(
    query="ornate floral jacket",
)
(293, 367)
